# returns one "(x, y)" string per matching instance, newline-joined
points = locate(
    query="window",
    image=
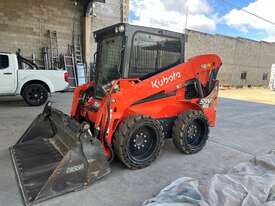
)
(151, 53)
(265, 76)
(243, 75)
(4, 61)
(109, 61)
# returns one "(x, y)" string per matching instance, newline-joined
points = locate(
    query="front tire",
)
(190, 132)
(35, 94)
(138, 141)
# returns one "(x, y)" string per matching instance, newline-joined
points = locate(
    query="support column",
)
(87, 39)
(89, 12)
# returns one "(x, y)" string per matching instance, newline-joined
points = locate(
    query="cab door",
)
(8, 75)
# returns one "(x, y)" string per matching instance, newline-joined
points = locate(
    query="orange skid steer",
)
(143, 92)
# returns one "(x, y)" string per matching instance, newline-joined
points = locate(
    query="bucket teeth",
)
(51, 158)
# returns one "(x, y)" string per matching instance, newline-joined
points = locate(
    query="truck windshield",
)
(108, 62)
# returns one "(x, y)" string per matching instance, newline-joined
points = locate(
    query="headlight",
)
(121, 28)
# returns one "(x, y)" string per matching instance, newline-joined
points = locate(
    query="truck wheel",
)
(138, 141)
(35, 94)
(190, 132)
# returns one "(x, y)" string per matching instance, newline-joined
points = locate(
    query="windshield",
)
(108, 62)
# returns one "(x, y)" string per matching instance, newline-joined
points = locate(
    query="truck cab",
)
(19, 76)
(8, 76)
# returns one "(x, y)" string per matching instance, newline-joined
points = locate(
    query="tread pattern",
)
(179, 132)
(124, 132)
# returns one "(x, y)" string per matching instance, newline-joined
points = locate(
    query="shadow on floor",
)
(12, 101)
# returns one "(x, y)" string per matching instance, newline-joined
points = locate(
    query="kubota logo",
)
(165, 80)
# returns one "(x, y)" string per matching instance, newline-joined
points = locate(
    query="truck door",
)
(8, 67)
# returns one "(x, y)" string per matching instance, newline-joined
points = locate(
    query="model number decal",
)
(74, 168)
(205, 103)
(165, 80)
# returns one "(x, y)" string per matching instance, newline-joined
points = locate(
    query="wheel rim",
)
(142, 144)
(35, 95)
(195, 132)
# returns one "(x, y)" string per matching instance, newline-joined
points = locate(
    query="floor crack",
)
(232, 148)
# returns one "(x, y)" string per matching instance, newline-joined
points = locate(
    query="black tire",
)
(138, 141)
(190, 131)
(35, 94)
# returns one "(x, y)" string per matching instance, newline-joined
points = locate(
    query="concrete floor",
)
(244, 129)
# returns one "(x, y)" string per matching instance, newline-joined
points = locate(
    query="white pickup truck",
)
(19, 76)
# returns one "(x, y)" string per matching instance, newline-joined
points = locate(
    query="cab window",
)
(4, 61)
(151, 53)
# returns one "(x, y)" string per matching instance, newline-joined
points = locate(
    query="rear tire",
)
(190, 132)
(138, 141)
(35, 94)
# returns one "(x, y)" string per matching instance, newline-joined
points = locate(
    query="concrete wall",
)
(106, 14)
(24, 23)
(238, 55)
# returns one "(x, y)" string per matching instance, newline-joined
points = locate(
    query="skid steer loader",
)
(143, 92)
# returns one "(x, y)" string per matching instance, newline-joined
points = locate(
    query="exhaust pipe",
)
(56, 155)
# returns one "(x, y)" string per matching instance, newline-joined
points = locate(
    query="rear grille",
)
(191, 92)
